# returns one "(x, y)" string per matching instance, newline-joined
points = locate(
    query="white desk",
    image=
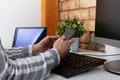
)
(98, 73)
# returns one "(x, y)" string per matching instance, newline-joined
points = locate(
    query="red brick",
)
(87, 3)
(84, 46)
(85, 38)
(62, 0)
(60, 7)
(70, 4)
(84, 10)
(89, 25)
(81, 14)
(63, 15)
(92, 13)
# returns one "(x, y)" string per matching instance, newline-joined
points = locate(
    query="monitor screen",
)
(25, 36)
(107, 30)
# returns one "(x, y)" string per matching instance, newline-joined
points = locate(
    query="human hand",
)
(63, 45)
(44, 44)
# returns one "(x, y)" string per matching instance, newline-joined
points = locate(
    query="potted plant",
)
(67, 24)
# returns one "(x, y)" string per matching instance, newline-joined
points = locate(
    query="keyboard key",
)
(74, 64)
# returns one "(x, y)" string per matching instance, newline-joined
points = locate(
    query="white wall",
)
(17, 13)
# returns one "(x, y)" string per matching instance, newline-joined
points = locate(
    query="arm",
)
(23, 52)
(20, 52)
(42, 46)
(31, 68)
(34, 67)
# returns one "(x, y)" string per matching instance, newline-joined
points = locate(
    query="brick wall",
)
(84, 10)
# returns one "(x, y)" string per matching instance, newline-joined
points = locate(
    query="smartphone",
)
(69, 33)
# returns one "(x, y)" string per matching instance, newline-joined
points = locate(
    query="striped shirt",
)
(19, 64)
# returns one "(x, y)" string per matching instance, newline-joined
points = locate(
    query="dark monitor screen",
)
(107, 27)
(25, 36)
(107, 31)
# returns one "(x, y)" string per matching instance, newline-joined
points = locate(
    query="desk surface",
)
(98, 73)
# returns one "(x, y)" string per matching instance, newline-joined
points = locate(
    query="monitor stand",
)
(113, 66)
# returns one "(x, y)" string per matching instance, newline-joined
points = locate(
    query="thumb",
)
(71, 41)
(64, 37)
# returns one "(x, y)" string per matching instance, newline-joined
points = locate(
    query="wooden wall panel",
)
(50, 15)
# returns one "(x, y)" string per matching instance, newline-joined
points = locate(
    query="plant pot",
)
(75, 46)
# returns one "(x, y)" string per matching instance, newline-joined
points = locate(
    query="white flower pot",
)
(75, 46)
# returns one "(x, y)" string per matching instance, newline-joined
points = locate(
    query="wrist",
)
(30, 50)
(34, 50)
(58, 55)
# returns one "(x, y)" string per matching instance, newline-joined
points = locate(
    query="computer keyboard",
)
(74, 64)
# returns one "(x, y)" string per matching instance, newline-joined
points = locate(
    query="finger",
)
(71, 40)
(64, 37)
(54, 37)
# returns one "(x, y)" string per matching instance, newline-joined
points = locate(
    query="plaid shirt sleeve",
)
(29, 68)
(20, 52)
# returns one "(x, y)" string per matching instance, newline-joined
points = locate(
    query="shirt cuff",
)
(30, 50)
(58, 55)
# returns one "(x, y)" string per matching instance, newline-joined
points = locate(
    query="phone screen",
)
(69, 33)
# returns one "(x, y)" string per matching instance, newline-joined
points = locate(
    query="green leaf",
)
(74, 25)
(67, 24)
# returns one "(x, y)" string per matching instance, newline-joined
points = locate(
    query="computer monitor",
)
(107, 28)
(25, 36)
